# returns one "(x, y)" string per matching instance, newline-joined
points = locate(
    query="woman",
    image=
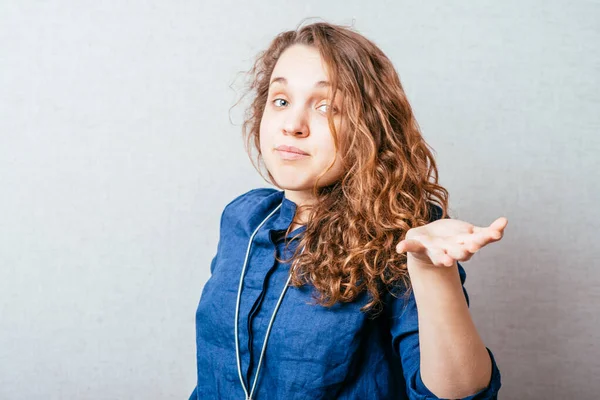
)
(345, 283)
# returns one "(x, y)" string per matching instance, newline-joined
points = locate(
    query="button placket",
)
(262, 250)
(252, 314)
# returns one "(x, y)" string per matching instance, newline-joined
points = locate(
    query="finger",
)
(458, 252)
(464, 238)
(490, 235)
(445, 260)
(479, 240)
(495, 235)
(435, 251)
(499, 224)
(410, 245)
(437, 254)
(428, 247)
(496, 229)
(478, 229)
(435, 257)
(470, 241)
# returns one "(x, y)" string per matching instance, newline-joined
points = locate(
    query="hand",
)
(443, 242)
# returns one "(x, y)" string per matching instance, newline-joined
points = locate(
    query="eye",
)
(335, 110)
(276, 100)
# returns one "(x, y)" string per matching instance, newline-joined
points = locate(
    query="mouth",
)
(290, 155)
(291, 149)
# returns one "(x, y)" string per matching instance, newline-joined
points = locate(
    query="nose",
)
(295, 123)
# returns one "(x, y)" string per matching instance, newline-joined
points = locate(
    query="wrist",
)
(415, 263)
(420, 271)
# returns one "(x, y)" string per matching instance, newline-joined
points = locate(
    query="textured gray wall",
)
(117, 156)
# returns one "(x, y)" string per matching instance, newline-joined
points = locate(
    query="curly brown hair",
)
(390, 184)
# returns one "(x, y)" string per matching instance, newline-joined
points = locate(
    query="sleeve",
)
(405, 343)
(214, 259)
(221, 234)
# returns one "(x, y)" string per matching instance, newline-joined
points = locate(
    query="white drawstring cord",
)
(237, 309)
(237, 305)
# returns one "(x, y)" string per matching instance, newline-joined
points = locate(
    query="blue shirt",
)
(313, 352)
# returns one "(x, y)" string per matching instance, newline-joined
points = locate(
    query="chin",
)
(295, 183)
(291, 185)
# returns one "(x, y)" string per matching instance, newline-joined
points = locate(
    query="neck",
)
(300, 198)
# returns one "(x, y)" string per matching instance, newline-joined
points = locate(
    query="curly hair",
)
(390, 179)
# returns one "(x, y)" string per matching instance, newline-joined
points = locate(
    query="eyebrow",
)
(283, 81)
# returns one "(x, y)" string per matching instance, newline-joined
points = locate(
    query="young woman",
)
(346, 283)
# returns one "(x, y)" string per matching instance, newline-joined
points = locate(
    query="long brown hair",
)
(390, 181)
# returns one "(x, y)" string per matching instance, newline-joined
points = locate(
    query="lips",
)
(291, 149)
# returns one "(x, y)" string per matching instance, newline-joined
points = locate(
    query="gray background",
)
(117, 156)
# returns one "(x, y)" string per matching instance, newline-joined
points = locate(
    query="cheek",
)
(267, 123)
(263, 134)
(326, 153)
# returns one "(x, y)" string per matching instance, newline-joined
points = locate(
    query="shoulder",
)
(246, 203)
(249, 199)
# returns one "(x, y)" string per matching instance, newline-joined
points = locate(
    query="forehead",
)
(301, 66)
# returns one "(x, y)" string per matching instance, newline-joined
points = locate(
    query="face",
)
(295, 115)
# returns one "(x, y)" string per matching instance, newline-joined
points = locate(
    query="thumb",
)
(410, 245)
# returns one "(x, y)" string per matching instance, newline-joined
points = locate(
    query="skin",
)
(295, 115)
(454, 360)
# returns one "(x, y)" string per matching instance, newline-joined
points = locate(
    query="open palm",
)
(444, 241)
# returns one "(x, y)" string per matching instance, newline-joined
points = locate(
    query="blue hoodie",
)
(313, 352)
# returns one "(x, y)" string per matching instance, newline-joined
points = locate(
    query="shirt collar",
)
(283, 218)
